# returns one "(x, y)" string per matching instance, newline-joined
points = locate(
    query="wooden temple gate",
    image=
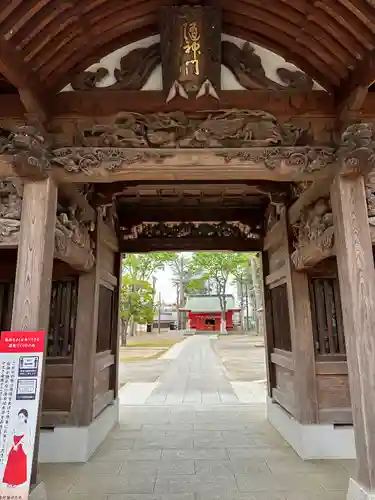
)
(230, 149)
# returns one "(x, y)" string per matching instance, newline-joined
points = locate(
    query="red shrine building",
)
(204, 312)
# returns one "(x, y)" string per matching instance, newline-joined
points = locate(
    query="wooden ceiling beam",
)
(107, 103)
(262, 39)
(190, 244)
(72, 53)
(353, 91)
(337, 11)
(106, 193)
(286, 43)
(58, 81)
(302, 39)
(40, 27)
(72, 195)
(132, 215)
(21, 76)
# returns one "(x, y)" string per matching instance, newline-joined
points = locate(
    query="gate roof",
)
(44, 42)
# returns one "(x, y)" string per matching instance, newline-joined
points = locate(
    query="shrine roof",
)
(207, 304)
(44, 43)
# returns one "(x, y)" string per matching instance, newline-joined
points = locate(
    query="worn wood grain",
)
(85, 343)
(103, 360)
(284, 400)
(341, 416)
(52, 419)
(274, 236)
(116, 331)
(57, 394)
(277, 258)
(283, 358)
(357, 287)
(333, 391)
(32, 292)
(59, 370)
(331, 368)
(102, 401)
(302, 339)
(35, 257)
(101, 382)
(108, 279)
(276, 276)
(269, 332)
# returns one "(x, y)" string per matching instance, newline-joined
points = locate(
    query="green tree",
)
(136, 304)
(248, 280)
(136, 288)
(144, 266)
(180, 267)
(218, 267)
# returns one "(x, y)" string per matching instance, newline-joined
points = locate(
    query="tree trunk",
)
(132, 325)
(241, 297)
(182, 303)
(223, 323)
(124, 331)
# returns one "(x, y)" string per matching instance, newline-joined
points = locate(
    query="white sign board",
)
(21, 364)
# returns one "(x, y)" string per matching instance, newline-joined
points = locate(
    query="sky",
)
(165, 286)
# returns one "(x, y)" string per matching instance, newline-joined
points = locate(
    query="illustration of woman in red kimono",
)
(15, 473)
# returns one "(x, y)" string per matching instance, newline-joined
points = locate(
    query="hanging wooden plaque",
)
(191, 48)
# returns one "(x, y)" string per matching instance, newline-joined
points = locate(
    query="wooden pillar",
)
(357, 288)
(302, 339)
(32, 292)
(268, 334)
(85, 343)
(116, 330)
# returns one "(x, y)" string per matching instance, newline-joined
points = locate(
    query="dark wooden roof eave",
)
(50, 43)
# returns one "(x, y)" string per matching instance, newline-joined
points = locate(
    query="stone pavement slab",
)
(196, 436)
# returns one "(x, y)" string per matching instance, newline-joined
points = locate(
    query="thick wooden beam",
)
(85, 349)
(353, 90)
(182, 165)
(35, 256)
(301, 326)
(350, 104)
(21, 75)
(357, 288)
(32, 292)
(269, 333)
(116, 329)
(102, 103)
(190, 244)
(85, 343)
(84, 165)
(318, 189)
(318, 105)
(274, 236)
(106, 193)
(72, 195)
(134, 214)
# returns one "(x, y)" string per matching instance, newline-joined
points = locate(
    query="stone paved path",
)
(191, 438)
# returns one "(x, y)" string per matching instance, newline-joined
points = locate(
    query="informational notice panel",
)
(21, 363)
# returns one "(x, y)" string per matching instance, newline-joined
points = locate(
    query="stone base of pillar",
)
(39, 492)
(357, 492)
(312, 442)
(77, 444)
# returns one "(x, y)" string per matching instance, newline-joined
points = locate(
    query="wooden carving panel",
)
(190, 46)
(333, 391)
